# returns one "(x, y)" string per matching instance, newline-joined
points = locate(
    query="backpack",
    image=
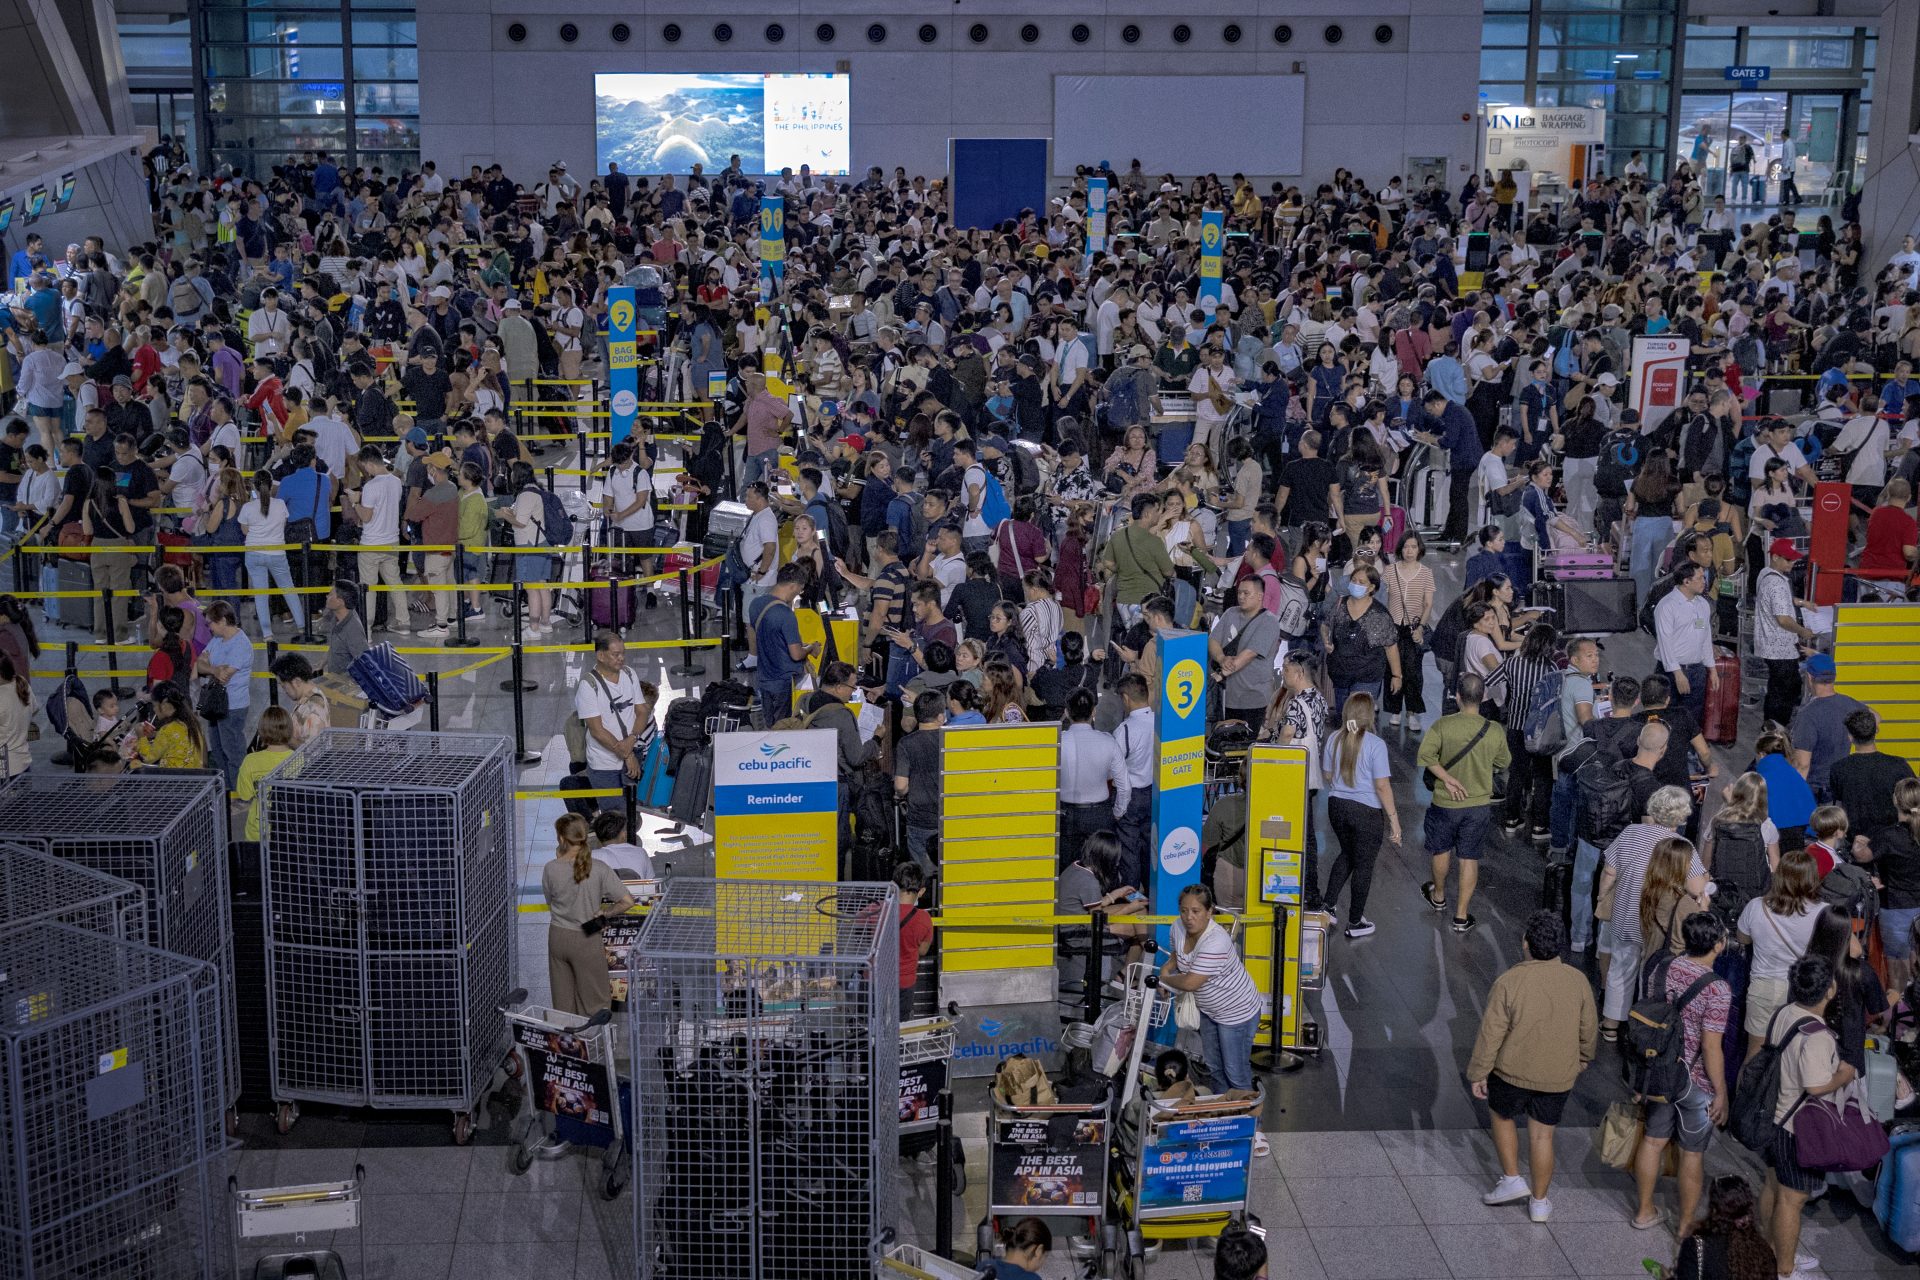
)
(184, 298)
(1606, 800)
(1758, 1092)
(556, 526)
(835, 524)
(1620, 456)
(1850, 888)
(1505, 502)
(685, 729)
(1696, 442)
(734, 570)
(994, 506)
(1739, 868)
(1654, 1039)
(1544, 731)
(1295, 613)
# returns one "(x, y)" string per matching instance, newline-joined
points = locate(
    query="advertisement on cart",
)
(920, 1087)
(1049, 1164)
(1194, 1163)
(567, 1083)
(617, 937)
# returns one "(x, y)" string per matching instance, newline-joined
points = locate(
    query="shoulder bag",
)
(1432, 780)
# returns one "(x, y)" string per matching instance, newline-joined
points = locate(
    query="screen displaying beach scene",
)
(649, 123)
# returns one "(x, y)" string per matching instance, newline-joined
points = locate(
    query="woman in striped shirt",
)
(1040, 620)
(1531, 786)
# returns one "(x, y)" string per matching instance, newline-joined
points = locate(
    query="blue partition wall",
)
(995, 178)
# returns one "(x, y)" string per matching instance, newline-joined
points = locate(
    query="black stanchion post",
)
(550, 480)
(586, 591)
(580, 444)
(305, 602)
(517, 684)
(733, 473)
(106, 612)
(726, 631)
(273, 686)
(433, 701)
(632, 790)
(460, 639)
(1096, 975)
(689, 666)
(943, 1179)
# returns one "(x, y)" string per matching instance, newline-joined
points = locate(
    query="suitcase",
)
(1723, 703)
(1427, 499)
(1597, 606)
(1548, 595)
(1393, 527)
(73, 611)
(612, 607)
(1556, 889)
(1576, 564)
(692, 786)
(656, 784)
(1896, 1193)
(1785, 402)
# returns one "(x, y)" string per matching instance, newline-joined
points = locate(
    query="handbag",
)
(213, 704)
(73, 535)
(1186, 1012)
(1619, 1134)
(1836, 1137)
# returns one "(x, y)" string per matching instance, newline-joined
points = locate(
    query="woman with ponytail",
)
(578, 887)
(1360, 806)
(1728, 1244)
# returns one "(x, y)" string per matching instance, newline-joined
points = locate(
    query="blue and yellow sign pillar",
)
(1096, 215)
(773, 245)
(1213, 238)
(1179, 793)
(623, 361)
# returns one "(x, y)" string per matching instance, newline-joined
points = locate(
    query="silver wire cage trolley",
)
(35, 887)
(766, 1082)
(111, 1109)
(164, 831)
(575, 1099)
(390, 920)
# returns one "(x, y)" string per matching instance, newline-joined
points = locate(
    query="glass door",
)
(1812, 144)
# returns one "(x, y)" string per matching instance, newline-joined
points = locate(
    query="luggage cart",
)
(574, 1095)
(918, 1264)
(1183, 1170)
(926, 1052)
(1050, 1162)
(267, 1213)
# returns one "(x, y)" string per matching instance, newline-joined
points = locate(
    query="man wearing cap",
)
(125, 415)
(1778, 636)
(1819, 728)
(437, 511)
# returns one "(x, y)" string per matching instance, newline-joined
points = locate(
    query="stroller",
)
(70, 714)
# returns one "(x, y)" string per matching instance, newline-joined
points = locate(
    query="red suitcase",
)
(1393, 527)
(1723, 701)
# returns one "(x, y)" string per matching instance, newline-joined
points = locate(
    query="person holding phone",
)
(578, 888)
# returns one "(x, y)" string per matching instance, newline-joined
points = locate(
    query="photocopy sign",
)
(1541, 139)
(776, 805)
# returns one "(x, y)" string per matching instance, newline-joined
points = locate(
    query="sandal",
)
(1610, 1034)
(1427, 892)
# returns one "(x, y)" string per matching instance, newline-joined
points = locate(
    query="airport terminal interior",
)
(1116, 640)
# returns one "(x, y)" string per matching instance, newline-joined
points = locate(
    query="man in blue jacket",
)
(1449, 426)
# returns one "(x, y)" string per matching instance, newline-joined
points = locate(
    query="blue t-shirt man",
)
(775, 631)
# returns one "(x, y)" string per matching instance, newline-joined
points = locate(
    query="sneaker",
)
(1512, 825)
(1332, 912)
(1464, 924)
(1539, 1210)
(1261, 1147)
(1509, 1189)
(749, 662)
(473, 612)
(1805, 1261)
(1360, 928)
(434, 633)
(1393, 722)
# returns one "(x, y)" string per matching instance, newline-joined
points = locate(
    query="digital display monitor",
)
(648, 123)
(36, 201)
(65, 195)
(6, 214)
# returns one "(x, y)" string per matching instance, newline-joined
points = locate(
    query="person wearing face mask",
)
(1362, 644)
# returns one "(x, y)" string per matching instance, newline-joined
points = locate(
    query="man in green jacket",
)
(1538, 1034)
(1462, 752)
(1137, 560)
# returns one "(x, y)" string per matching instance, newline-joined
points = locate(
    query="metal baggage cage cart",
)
(926, 1054)
(1049, 1161)
(296, 1212)
(574, 1094)
(916, 1263)
(38, 886)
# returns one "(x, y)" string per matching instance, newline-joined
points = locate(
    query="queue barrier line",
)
(406, 548)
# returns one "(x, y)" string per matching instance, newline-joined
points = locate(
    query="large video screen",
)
(669, 123)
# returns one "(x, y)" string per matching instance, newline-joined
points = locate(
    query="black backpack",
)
(685, 729)
(1849, 888)
(1620, 456)
(1739, 868)
(1758, 1091)
(1606, 799)
(1655, 1040)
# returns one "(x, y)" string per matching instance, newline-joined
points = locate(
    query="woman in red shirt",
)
(1892, 534)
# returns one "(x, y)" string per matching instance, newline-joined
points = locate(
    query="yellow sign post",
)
(1277, 800)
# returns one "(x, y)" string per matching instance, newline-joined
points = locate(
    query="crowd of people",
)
(1012, 462)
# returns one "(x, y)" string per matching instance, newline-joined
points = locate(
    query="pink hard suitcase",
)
(1564, 565)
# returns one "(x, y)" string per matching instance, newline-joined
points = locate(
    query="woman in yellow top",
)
(173, 739)
(1505, 192)
(276, 744)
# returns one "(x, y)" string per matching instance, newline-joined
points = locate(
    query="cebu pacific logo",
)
(622, 314)
(772, 750)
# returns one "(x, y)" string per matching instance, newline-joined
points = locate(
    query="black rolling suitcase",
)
(1556, 888)
(692, 787)
(1548, 595)
(250, 999)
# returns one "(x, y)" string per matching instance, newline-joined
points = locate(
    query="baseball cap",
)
(1612, 311)
(1139, 351)
(416, 437)
(511, 304)
(1607, 380)
(1784, 548)
(439, 458)
(122, 380)
(441, 291)
(1820, 666)
(72, 370)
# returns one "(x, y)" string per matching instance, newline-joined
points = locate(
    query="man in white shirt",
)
(760, 548)
(268, 329)
(1107, 319)
(1778, 636)
(612, 706)
(1139, 747)
(1212, 380)
(629, 499)
(1683, 640)
(430, 180)
(1865, 437)
(975, 532)
(1776, 441)
(376, 505)
(1908, 261)
(944, 561)
(1070, 360)
(1490, 477)
(333, 439)
(1093, 777)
